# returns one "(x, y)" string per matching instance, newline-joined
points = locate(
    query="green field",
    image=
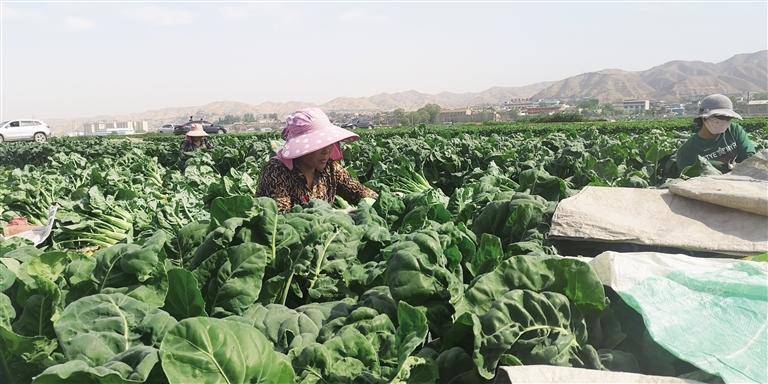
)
(168, 269)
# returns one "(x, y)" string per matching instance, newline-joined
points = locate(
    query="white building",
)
(115, 127)
(757, 108)
(636, 106)
(520, 104)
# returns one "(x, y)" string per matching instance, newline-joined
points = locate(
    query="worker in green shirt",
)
(718, 139)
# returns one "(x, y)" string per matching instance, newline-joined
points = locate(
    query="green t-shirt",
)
(731, 146)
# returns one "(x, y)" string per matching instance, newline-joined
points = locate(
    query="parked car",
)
(167, 128)
(24, 129)
(208, 127)
(359, 122)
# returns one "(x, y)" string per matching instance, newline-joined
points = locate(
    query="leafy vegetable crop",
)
(168, 269)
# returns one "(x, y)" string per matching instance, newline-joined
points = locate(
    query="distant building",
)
(115, 131)
(268, 117)
(519, 104)
(549, 102)
(636, 106)
(114, 127)
(454, 116)
(677, 110)
(757, 108)
(466, 116)
(544, 110)
(509, 115)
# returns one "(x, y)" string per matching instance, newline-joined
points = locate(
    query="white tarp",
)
(657, 217)
(528, 374)
(38, 234)
(744, 188)
(712, 313)
(755, 167)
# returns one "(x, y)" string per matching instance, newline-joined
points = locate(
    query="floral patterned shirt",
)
(289, 187)
(187, 146)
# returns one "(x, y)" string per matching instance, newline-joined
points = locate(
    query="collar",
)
(299, 176)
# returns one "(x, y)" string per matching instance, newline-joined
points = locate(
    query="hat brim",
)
(721, 112)
(197, 134)
(315, 140)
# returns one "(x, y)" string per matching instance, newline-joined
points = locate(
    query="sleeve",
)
(183, 150)
(746, 145)
(686, 155)
(272, 183)
(349, 188)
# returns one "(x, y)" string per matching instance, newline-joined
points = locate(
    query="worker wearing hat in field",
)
(196, 139)
(308, 166)
(718, 138)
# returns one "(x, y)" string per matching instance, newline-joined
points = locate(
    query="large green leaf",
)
(488, 255)
(377, 328)
(135, 270)
(221, 351)
(22, 358)
(573, 278)
(534, 327)
(129, 367)
(416, 370)
(380, 299)
(44, 270)
(217, 239)
(416, 274)
(455, 366)
(23, 253)
(540, 182)
(35, 318)
(330, 241)
(347, 356)
(511, 219)
(7, 277)
(38, 294)
(7, 312)
(412, 331)
(184, 298)
(223, 208)
(96, 328)
(234, 276)
(189, 237)
(285, 328)
(702, 167)
(389, 207)
(78, 275)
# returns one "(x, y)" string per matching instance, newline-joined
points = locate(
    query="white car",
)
(24, 129)
(167, 128)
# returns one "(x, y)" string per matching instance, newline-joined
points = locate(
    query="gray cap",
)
(717, 105)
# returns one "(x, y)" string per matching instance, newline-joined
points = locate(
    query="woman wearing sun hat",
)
(717, 138)
(309, 165)
(196, 139)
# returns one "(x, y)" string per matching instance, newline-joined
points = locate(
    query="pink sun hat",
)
(308, 130)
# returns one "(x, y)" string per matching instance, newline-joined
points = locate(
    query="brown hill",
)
(411, 100)
(672, 81)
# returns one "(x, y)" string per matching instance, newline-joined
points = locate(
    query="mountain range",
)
(671, 82)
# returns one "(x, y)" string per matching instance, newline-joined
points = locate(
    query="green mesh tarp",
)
(712, 313)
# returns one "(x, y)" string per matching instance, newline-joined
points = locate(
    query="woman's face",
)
(317, 160)
(197, 141)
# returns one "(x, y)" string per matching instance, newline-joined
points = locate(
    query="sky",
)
(79, 59)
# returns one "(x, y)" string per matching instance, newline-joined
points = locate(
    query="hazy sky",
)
(83, 59)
